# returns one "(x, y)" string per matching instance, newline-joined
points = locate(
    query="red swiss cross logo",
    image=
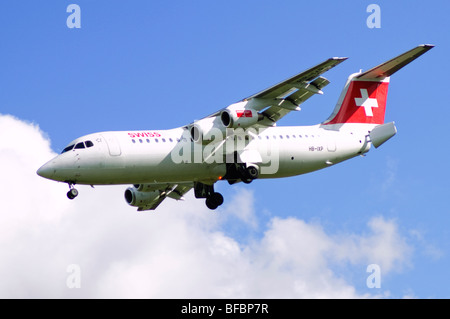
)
(364, 102)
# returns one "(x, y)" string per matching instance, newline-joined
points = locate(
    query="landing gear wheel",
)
(217, 198)
(248, 174)
(251, 172)
(72, 193)
(214, 200)
(210, 204)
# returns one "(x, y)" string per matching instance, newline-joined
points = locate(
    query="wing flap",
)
(284, 87)
(278, 100)
(307, 90)
(174, 191)
(287, 96)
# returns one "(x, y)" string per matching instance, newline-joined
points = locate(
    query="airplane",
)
(239, 143)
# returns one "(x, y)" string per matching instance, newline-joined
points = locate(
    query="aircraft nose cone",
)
(46, 171)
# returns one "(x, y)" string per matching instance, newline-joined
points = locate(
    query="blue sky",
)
(158, 64)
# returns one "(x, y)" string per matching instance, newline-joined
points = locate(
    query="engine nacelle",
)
(239, 118)
(149, 187)
(206, 130)
(237, 115)
(136, 198)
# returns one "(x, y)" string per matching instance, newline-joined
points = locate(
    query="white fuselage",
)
(238, 143)
(139, 157)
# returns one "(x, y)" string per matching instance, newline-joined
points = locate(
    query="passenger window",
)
(79, 145)
(89, 143)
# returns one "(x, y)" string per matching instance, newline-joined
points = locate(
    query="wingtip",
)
(427, 47)
(339, 58)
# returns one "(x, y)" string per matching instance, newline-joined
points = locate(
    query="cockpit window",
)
(79, 145)
(68, 148)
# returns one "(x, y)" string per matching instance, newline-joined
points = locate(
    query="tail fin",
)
(363, 99)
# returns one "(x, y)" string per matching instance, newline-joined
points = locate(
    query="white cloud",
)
(383, 246)
(242, 207)
(179, 251)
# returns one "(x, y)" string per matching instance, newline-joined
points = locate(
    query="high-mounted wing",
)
(287, 96)
(300, 81)
(264, 109)
(273, 103)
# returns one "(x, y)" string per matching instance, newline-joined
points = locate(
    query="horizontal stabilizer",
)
(390, 67)
(382, 133)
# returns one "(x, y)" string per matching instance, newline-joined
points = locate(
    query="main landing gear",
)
(213, 199)
(73, 192)
(235, 172)
(241, 172)
(248, 173)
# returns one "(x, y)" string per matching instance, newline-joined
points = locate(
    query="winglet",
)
(388, 68)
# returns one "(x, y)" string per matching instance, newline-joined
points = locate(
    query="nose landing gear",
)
(73, 192)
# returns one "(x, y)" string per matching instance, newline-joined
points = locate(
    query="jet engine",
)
(240, 118)
(205, 131)
(238, 115)
(136, 198)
